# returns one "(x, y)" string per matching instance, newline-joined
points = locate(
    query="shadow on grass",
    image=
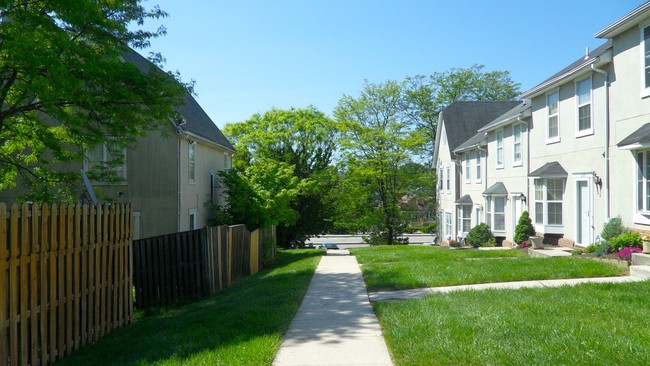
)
(242, 325)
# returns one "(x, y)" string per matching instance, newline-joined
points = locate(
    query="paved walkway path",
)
(335, 324)
(421, 292)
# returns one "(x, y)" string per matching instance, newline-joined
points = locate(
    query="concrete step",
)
(640, 271)
(549, 252)
(640, 259)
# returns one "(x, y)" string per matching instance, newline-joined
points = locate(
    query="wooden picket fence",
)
(188, 265)
(65, 278)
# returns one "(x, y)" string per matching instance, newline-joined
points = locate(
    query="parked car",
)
(328, 246)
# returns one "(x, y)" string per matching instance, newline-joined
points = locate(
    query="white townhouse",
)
(627, 170)
(457, 123)
(568, 155)
(506, 196)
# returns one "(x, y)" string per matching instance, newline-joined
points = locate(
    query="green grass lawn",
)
(404, 267)
(243, 325)
(589, 324)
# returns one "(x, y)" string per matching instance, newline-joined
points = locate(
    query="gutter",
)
(607, 137)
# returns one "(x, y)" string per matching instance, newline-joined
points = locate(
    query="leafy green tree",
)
(64, 88)
(304, 140)
(377, 141)
(524, 228)
(426, 95)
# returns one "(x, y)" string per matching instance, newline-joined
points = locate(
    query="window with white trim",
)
(464, 219)
(583, 99)
(643, 182)
(192, 217)
(440, 179)
(448, 224)
(499, 139)
(479, 155)
(107, 161)
(549, 194)
(553, 114)
(645, 45)
(192, 161)
(516, 144)
(495, 212)
(448, 179)
(468, 168)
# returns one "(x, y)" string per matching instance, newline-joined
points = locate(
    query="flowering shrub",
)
(524, 244)
(627, 239)
(626, 253)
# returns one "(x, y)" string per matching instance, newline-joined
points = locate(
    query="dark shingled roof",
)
(549, 170)
(591, 58)
(465, 200)
(197, 121)
(640, 136)
(523, 110)
(462, 119)
(497, 188)
(480, 139)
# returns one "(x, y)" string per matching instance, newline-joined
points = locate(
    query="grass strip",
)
(405, 267)
(243, 325)
(589, 324)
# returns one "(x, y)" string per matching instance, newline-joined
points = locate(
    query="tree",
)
(426, 96)
(304, 140)
(64, 88)
(377, 141)
(524, 228)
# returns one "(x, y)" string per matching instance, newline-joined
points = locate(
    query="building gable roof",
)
(600, 55)
(522, 110)
(637, 139)
(462, 119)
(197, 122)
(497, 189)
(626, 22)
(549, 170)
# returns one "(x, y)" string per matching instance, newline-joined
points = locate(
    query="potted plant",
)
(646, 243)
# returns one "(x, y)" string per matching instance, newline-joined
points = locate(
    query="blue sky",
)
(249, 56)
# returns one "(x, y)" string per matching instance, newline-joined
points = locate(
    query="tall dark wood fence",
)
(65, 278)
(188, 265)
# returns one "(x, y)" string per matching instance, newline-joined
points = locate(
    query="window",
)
(499, 148)
(495, 212)
(516, 144)
(583, 96)
(192, 161)
(643, 182)
(448, 224)
(106, 160)
(549, 194)
(553, 112)
(468, 170)
(645, 40)
(477, 215)
(479, 155)
(192, 213)
(464, 219)
(448, 179)
(440, 178)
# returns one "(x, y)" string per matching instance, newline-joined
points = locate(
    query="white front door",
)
(583, 214)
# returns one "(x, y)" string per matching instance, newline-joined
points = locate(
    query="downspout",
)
(607, 132)
(180, 192)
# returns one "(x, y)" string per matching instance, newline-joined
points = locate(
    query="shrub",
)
(576, 252)
(601, 249)
(628, 239)
(613, 228)
(524, 228)
(626, 253)
(431, 228)
(591, 248)
(479, 235)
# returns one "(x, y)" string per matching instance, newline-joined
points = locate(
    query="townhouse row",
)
(574, 152)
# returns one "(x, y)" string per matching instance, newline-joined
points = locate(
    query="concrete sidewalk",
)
(422, 292)
(335, 324)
